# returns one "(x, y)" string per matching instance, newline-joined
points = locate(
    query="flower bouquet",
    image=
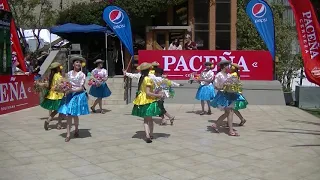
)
(96, 80)
(193, 76)
(63, 86)
(40, 85)
(165, 87)
(232, 85)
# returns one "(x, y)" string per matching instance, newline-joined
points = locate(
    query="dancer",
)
(75, 103)
(53, 98)
(206, 89)
(224, 100)
(164, 112)
(155, 65)
(241, 102)
(100, 90)
(145, 103)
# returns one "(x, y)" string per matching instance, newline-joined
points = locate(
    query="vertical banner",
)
(308, 29)
(118, 20)
(15, 43)
(5, 43)
(261, 15)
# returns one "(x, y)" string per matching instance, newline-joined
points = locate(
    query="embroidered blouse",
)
(76, 80)
(207, 75)
(143, 98)
(101, 72)
(220, 79)
(52, 94)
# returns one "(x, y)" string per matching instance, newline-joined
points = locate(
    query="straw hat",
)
(235, 65)
(98, 61)
(144, 66)
(155, 63)
(77, 58)
(43, 53)
(54, 65)
(223, 61)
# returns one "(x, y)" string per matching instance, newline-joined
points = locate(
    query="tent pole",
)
(50, 43)
(106, 38)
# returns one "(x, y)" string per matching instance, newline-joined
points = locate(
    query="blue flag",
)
(118, 20)
(261, 16)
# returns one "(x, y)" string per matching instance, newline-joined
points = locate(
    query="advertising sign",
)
(16, 93)
(178, 65)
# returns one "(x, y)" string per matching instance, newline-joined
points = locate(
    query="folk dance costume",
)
(76, 103)
(241, 102)
(103, 90)
(145, 106)
(53, 98)
(224, 99)
(206, 89)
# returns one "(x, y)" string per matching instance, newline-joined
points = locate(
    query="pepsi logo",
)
(116, 16)
(259, 10)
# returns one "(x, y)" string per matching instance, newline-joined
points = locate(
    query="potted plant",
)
(288, 97)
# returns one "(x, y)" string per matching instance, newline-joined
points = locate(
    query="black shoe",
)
(148, 140)
(46, 125)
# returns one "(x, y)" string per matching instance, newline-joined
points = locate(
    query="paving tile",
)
(180, 174)
(102, 176)
(86, 170)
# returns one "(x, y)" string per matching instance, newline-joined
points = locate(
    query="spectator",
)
(175, 45)
(190, 45)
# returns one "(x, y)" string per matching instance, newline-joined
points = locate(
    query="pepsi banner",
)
(118, 20)
(261, 16)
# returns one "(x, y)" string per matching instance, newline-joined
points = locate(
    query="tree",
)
(248, 38)
(33, 14)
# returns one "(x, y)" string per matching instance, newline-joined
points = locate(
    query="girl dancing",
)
(224, 100)
(145, 103)
(206, 90)
(75, 103)
(100, 88)
(53, 98)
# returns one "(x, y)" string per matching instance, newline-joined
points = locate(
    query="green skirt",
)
(147, 110)
(240, 105)
(49, 104)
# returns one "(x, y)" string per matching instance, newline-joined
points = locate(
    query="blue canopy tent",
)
(74, 32)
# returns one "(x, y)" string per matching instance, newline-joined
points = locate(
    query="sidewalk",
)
(277, 143)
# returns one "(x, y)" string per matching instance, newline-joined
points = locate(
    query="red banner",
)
(16, 93)
(15, 43)
(254, 65)
(309, 37)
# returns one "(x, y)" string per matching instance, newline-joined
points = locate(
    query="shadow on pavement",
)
(83, 133)
(292, 132)
(304, 122)
(142, 135)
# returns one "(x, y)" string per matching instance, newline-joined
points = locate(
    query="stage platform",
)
(256, 92)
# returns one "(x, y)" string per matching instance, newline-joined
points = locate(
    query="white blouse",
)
(220, 79)
(101, 72)
(77, 80)
(207, 75)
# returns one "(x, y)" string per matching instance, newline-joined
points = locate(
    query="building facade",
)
(211, 24)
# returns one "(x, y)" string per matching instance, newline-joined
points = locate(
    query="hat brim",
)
(55, 66)
(77, 58)
(235, 65)
(144, 67)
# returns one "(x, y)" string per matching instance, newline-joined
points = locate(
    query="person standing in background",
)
(190, 45)
(175, 45)
(112, 59)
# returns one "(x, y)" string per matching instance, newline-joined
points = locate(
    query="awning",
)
(77, 28)
(74, 32)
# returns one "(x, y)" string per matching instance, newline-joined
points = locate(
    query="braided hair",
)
(144, 73)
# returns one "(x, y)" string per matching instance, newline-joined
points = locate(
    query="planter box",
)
(288, 98)
(307, 97)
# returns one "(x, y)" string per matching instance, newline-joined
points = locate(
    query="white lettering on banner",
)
(119, 26)
(170, 62)
(309, 35)
(261, 20)
(12, 91)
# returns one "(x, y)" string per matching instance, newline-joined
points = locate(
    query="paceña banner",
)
(261, 16)
(308, 29)
(118, 20)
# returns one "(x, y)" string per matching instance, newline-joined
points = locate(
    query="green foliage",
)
(285, 34)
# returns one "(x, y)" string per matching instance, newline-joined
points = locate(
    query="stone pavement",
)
(277, 143)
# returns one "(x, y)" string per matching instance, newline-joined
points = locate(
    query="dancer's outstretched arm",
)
(132, 75)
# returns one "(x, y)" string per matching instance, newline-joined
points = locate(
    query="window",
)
(223, 27)
(201, 25)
